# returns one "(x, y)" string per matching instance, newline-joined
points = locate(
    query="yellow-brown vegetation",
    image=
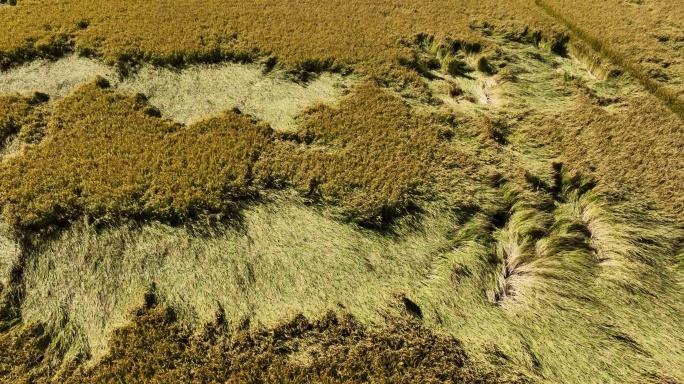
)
(652, 62)
(21, 115)
(108, 156)
(154, 348)
(308, 34)
(634, 151)
(371, 155)
(647, 35)
(550, 225)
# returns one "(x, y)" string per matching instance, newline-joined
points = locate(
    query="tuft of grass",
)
(22, 116)
(484, 66)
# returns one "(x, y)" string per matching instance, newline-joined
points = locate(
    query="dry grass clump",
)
(21, 354)
(370, 155)
(544, 238)
(21, 115)
(46, 43)
(155, 348)
(108, 156)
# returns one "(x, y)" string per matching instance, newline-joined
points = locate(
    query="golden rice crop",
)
(109, 156)
(155, 348)
(372, 155)
(306, 33)
(20, 114)
(520, 245)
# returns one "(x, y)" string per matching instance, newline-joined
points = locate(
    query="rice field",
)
(468, 192)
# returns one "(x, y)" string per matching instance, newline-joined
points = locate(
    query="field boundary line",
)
(662, 92)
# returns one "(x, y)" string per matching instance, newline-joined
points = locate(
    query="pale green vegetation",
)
(563, 276)
(281, 260)
(194, 93)
(190, 94)
(56, 78)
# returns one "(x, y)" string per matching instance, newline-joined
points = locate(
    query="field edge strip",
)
(662, 92)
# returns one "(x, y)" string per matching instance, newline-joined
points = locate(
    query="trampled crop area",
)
(344, 191)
